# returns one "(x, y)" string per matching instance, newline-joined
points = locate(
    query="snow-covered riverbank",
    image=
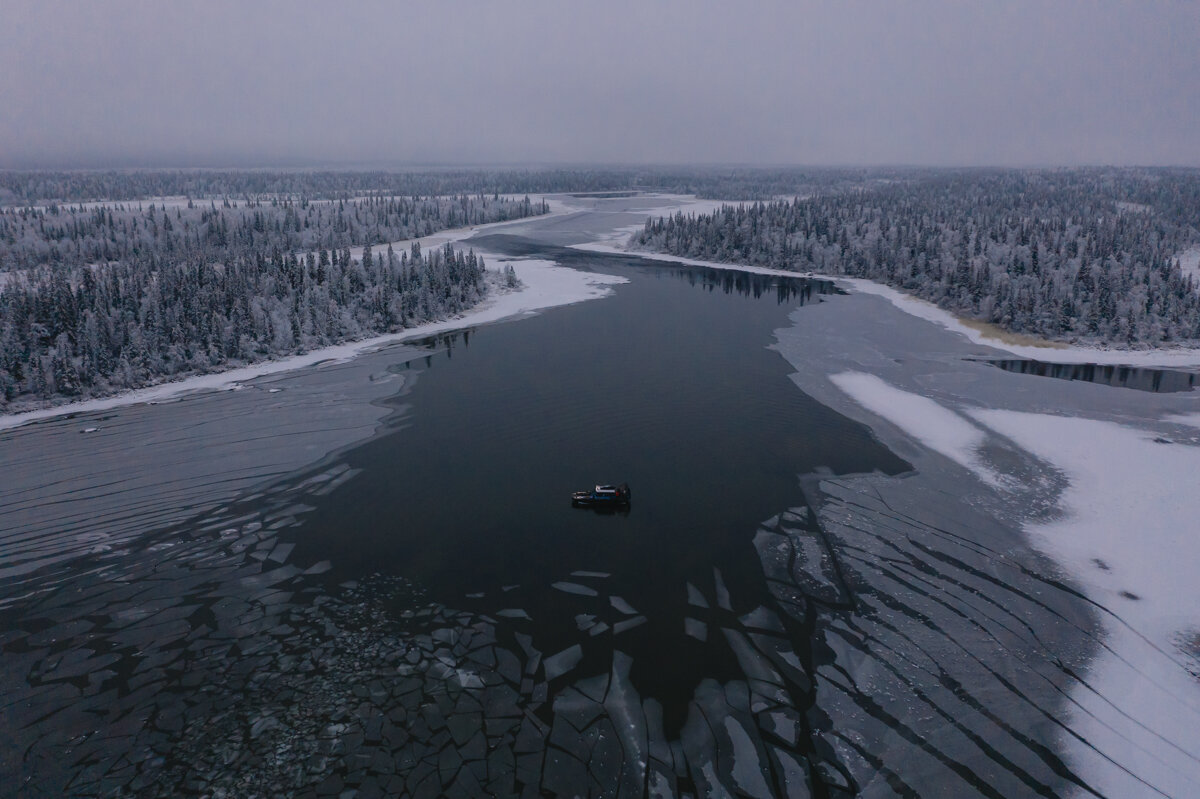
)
(1125, 533)
(1121, 528)
(545, 285)
(1050, 351)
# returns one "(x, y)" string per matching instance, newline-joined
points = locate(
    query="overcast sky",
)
(212, 83)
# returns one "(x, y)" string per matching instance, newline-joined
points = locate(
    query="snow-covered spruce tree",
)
(70, 331)
(1070, 254)
(78, 235)
(103, 297)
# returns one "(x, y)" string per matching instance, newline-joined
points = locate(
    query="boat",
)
(602, 496)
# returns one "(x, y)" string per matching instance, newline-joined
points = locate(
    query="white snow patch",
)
(929, 422)
(608, 246)
(683, 204)
(1129, 537)
(546, 285)
(614, 242)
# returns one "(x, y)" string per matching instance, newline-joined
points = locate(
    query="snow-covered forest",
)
(101, 298)
(90, 234)
(101, 291)
(1081, 254)
(82, 332)
(47, 187)
(732, 183)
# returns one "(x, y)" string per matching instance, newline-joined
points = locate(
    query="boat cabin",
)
(602, 495)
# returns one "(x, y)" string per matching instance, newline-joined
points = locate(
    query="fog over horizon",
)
(272, 84)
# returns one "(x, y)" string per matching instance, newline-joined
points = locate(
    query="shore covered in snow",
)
(1101, 479)
(544, 285)
(1057, 352)
(1119, 522)
(1124, 531)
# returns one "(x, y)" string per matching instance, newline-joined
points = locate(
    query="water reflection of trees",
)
(1154, 380)
(786, 290)
(797, 290)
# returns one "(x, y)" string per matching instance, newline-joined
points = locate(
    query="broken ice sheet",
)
(585, 621)
(280, 553)
(574, 588)
(628, 624)
(696, 629)
(621, 605)
(559, 664)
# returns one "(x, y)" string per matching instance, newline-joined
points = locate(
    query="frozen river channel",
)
(365, 578)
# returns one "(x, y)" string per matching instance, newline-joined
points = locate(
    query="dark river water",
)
(365, 578)
(669, 386)
(1135, 377)
(425, 611)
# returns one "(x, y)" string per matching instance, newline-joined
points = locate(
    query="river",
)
(458, 499)
(365, 577)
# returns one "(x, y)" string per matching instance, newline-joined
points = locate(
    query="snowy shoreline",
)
(1055, 352)
(1120, 531)
(546, 285)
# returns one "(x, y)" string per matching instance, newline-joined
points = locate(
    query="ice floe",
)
(574, 588)
(935, 425)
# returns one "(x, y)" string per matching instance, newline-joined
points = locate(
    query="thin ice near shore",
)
(1122, 532)
(1125, 535)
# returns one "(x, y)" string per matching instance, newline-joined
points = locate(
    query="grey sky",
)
(217, 83)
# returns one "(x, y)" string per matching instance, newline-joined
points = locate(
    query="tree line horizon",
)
(107, 286)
